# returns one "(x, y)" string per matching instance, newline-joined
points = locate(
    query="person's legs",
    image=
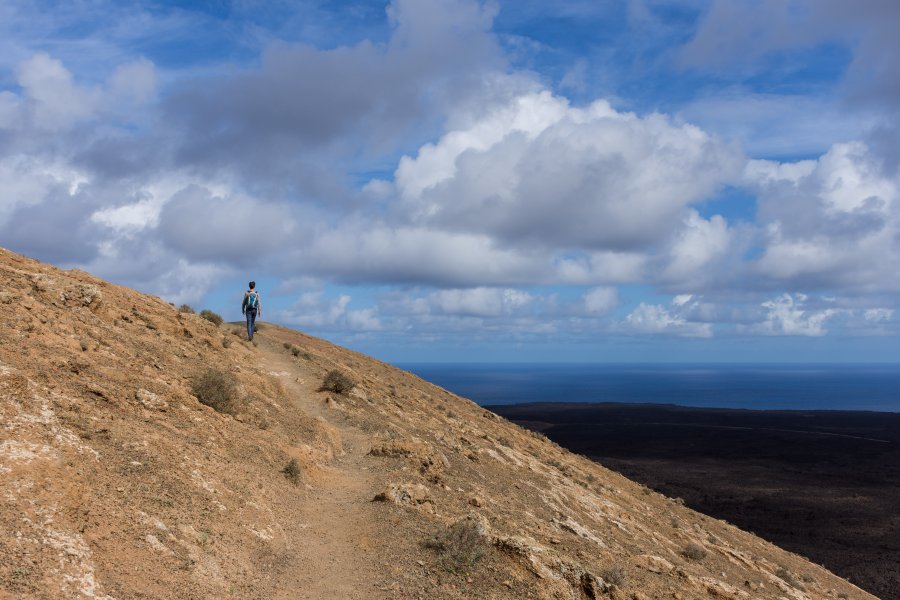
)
(251, 322)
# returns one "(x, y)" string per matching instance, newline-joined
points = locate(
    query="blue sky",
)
(457, 180)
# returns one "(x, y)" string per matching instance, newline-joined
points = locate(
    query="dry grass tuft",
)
(217, 390)
(211, 317)
(694, 552)
(292, 471)
(614, 575)
(338, 382)
(460, 546)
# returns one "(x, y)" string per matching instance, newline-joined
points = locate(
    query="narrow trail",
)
(336, 553)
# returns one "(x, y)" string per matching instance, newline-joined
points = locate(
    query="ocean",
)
(745, 386)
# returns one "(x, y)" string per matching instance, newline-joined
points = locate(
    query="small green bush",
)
(292, 471)
(694, 552)
(211, 317)
(460, 546)
(338, 382)
(216, 389)
(184, 308)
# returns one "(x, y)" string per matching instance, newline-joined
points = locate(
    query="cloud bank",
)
(457, 191)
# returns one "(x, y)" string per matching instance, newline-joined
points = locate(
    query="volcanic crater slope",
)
(118, 482)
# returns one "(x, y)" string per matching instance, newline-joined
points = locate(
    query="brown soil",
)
(116, 482)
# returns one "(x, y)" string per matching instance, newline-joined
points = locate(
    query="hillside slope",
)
(117, 482)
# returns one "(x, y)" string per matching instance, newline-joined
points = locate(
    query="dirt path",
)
(336, 553)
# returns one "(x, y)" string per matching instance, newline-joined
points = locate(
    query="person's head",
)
(252, 285)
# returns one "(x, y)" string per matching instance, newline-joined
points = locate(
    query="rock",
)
(150, 400)
(82, 295)
(158, 546)
(412, 494)
(654, 564)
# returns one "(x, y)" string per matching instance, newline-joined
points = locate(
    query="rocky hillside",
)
(118, 482)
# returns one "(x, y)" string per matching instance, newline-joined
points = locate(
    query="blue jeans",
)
(251, 322)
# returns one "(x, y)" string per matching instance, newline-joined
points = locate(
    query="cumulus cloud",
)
(830, 223)
(539, 171)
(420, 161)
(367, 94)
(788, 315)
(52, 101)
(657, 319)
(236, 229)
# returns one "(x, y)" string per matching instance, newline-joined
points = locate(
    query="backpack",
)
(252, 301)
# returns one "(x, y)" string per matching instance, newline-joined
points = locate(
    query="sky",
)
(462, 181)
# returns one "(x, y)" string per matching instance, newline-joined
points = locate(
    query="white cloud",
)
(831, 223)
(481, 302)
(696, 248)
(787, 315)
(657, 319)
(540, 171)
(601, 300)
(53, 101)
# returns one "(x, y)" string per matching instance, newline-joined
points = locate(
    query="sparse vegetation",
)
(287, 345)
(211, 317)
(295, 350)
(694, 552)
(292, 471)
(614, 575)
(460, 546)
(216, 389)
(338, 382)
(226, 342)
(184, 308)
(789, 578)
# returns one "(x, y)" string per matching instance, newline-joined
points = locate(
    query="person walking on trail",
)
(251, 309)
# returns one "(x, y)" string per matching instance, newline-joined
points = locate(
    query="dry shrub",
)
(217, 390)
(211, 317)
(292, 471)
(338, 382)
(789, 578)
(460, 546)
(295, 350)
(184, 308)
(694, 552)
(614, 575)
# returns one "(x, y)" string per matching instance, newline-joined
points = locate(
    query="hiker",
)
(251, 309)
